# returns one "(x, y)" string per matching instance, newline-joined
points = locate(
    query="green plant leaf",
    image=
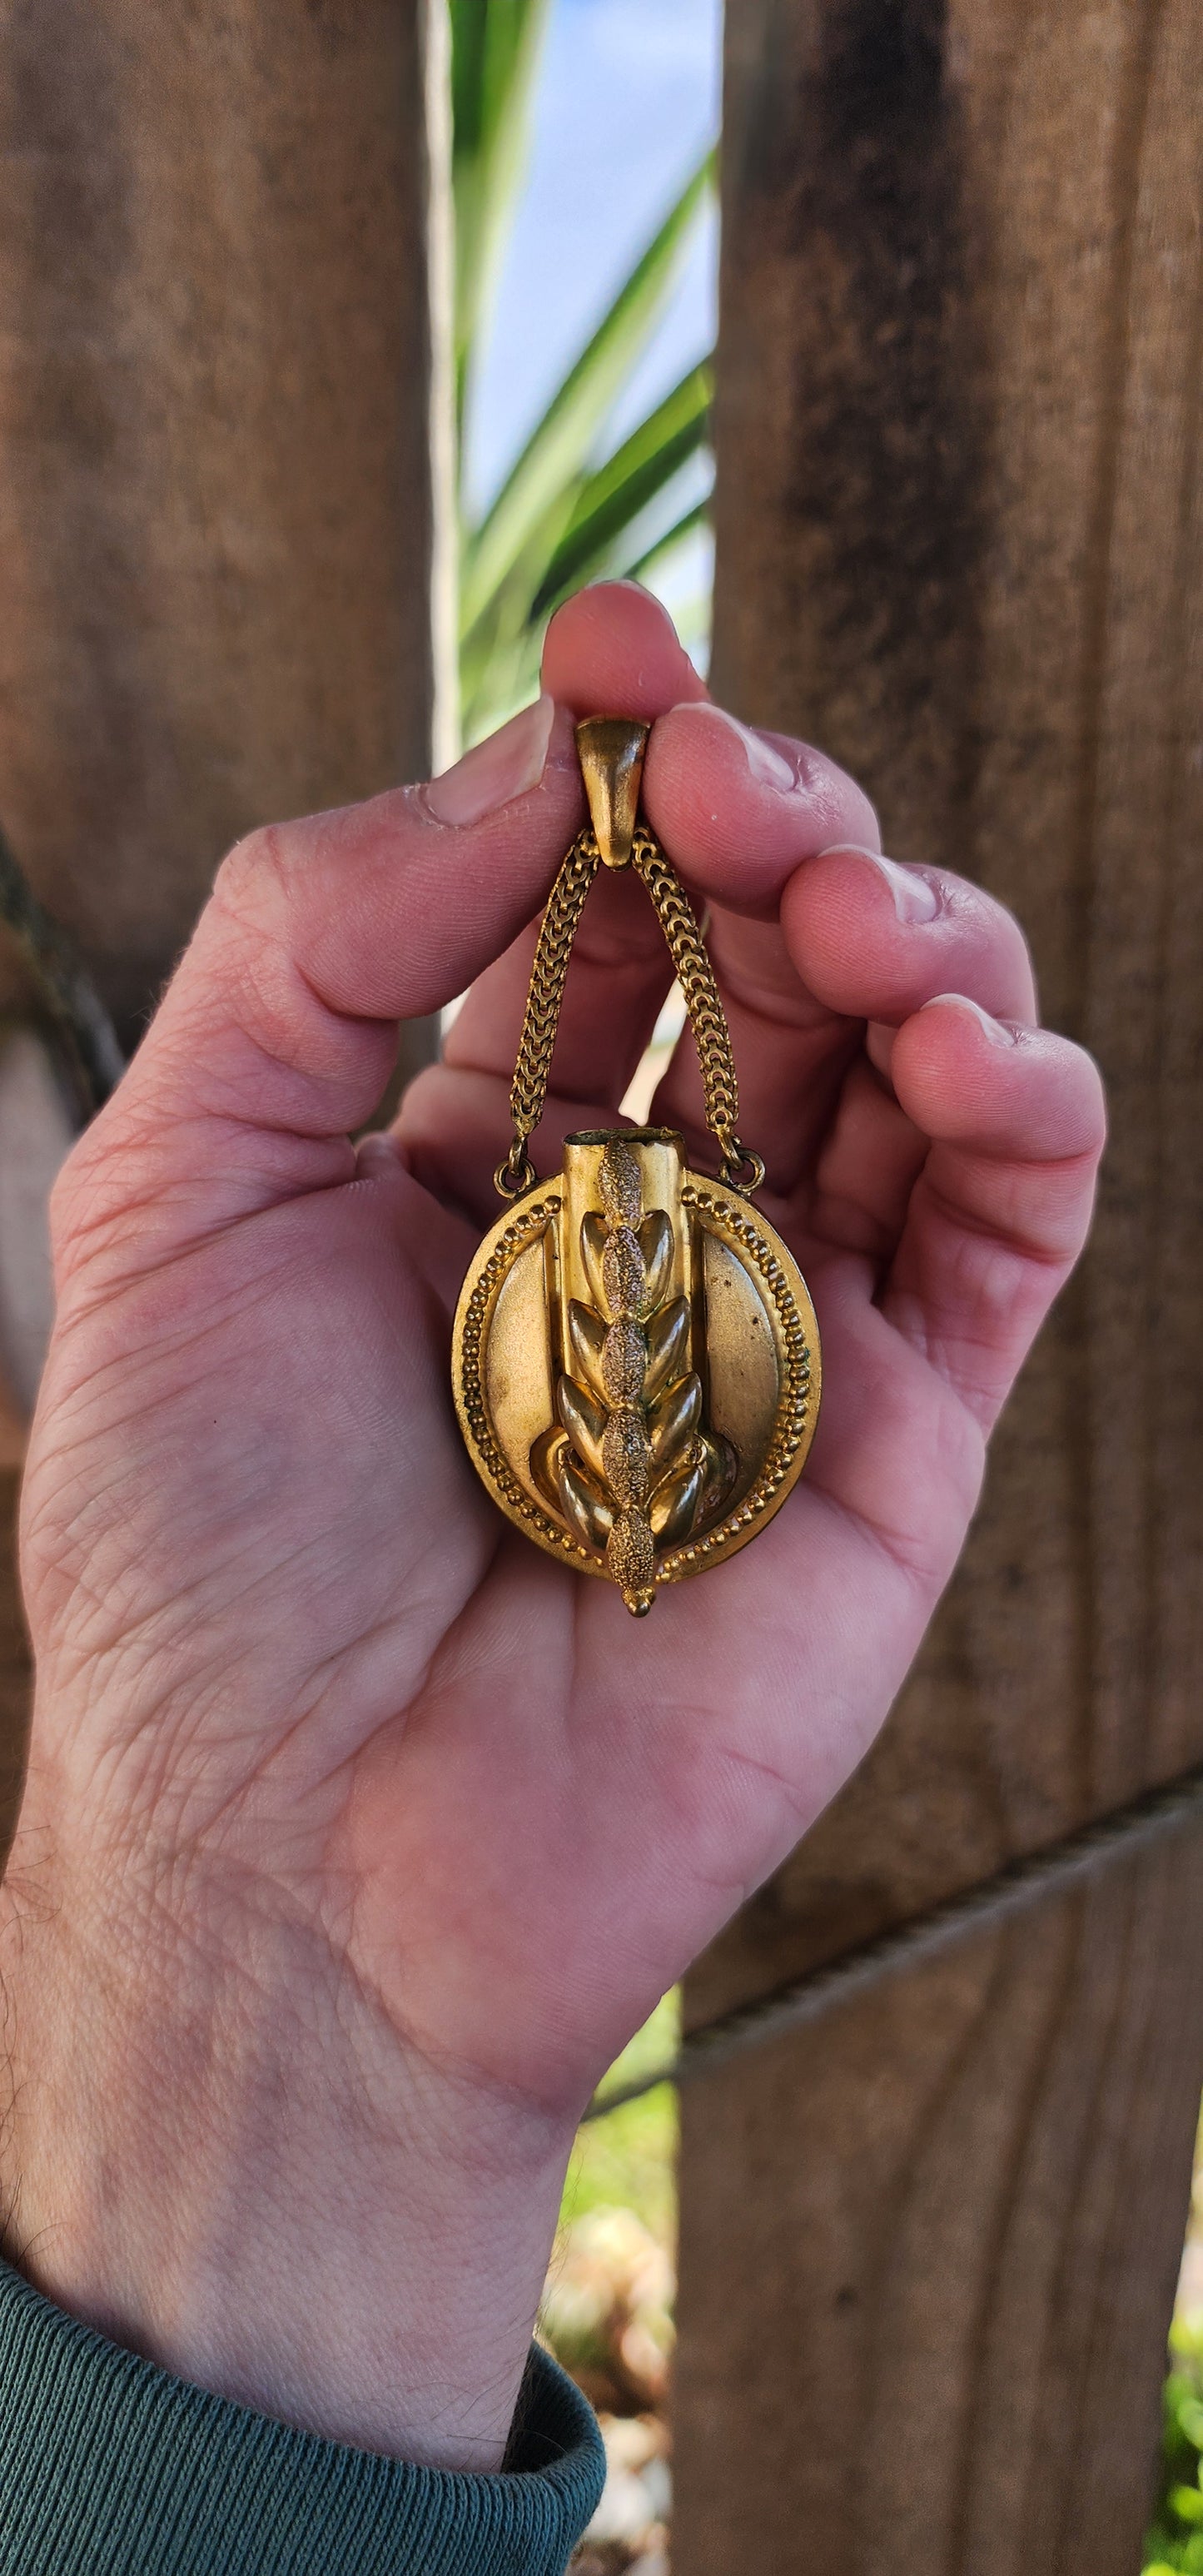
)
(616, 494)
(495, 47)
(545, 476)
(696, 517)
(499, 661)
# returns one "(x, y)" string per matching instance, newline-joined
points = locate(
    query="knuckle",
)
(1069, 1063)
(253, 874)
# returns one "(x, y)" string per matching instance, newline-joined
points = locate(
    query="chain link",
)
(528, 1090)
(695, 975)
(741, 1168)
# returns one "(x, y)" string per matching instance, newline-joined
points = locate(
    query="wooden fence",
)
(929, 2244)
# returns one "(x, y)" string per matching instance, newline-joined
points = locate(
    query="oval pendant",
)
(636, 1364)
(635, 1356)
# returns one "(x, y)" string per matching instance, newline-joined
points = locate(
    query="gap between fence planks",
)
(929, 2246)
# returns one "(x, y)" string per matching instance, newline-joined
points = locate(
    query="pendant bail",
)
(610, 750)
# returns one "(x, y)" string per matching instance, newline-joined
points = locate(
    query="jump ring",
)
(743, 1170)
(517, 1174)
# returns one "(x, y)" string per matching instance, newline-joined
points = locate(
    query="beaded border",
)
(792, 1407)
(529, 1221)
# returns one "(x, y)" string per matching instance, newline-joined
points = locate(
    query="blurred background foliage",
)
(1176, 2539)
(607, 2311)
(574, 504)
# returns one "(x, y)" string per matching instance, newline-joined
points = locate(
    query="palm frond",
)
(620, 490)
(495, 47)
(555, 453)
(690, 525)
(565, 514)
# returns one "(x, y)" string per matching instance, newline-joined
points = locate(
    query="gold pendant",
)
(635, 1358)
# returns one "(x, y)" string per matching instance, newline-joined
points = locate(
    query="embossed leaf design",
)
(656, 1245)
(588, 1508)
(584, 1421)
(631, 1557)
(624, 1274)
(624, 1364)
(667, 1343)
(674, 1504)
(587, 1334)
(654, 1238)
(632, 1466)
(625, 1460)
(595, 1234)
(673, 1419)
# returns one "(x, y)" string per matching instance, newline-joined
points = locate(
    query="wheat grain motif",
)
(630, 1462)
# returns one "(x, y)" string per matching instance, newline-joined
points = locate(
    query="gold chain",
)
(541, 1019)
(740, 1167)
(695, 973)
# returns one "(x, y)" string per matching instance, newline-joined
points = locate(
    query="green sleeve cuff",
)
(110, 2467)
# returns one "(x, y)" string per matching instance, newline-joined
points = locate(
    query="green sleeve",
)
(110, 2467)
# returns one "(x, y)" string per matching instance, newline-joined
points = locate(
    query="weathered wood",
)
(221, 404)
(218, 519)
(928, 2249)
(931, 2332)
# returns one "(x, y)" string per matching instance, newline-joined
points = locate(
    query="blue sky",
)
(627, 101)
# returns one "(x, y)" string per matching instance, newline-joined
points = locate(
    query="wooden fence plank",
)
(925, 2288)
(959, 543)
(217, 506)
(222, 502)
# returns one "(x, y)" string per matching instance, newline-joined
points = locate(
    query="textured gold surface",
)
(644, 1483)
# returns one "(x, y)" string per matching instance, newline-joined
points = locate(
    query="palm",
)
(473, 1773)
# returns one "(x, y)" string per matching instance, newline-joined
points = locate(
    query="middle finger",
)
(813, 933)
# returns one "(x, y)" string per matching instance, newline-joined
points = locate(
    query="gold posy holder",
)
(635, 1356)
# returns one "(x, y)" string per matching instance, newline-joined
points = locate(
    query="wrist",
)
(222, 2155)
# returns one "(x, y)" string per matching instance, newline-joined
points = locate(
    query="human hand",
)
(359, 1835)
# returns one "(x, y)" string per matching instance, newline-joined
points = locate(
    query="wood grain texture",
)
(217, 516)
(959, 544)
(924, 2291)
(219, 487)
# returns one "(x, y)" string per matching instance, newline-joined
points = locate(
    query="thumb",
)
(278, 1031)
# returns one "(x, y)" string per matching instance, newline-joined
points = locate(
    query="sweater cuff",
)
(109, 2466)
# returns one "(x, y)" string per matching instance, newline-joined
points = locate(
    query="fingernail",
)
(997, 1031)
(768, 766)
(912, 896)
(378, 1150)
(510, 763)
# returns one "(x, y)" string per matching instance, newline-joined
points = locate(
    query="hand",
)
(359, 1835)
